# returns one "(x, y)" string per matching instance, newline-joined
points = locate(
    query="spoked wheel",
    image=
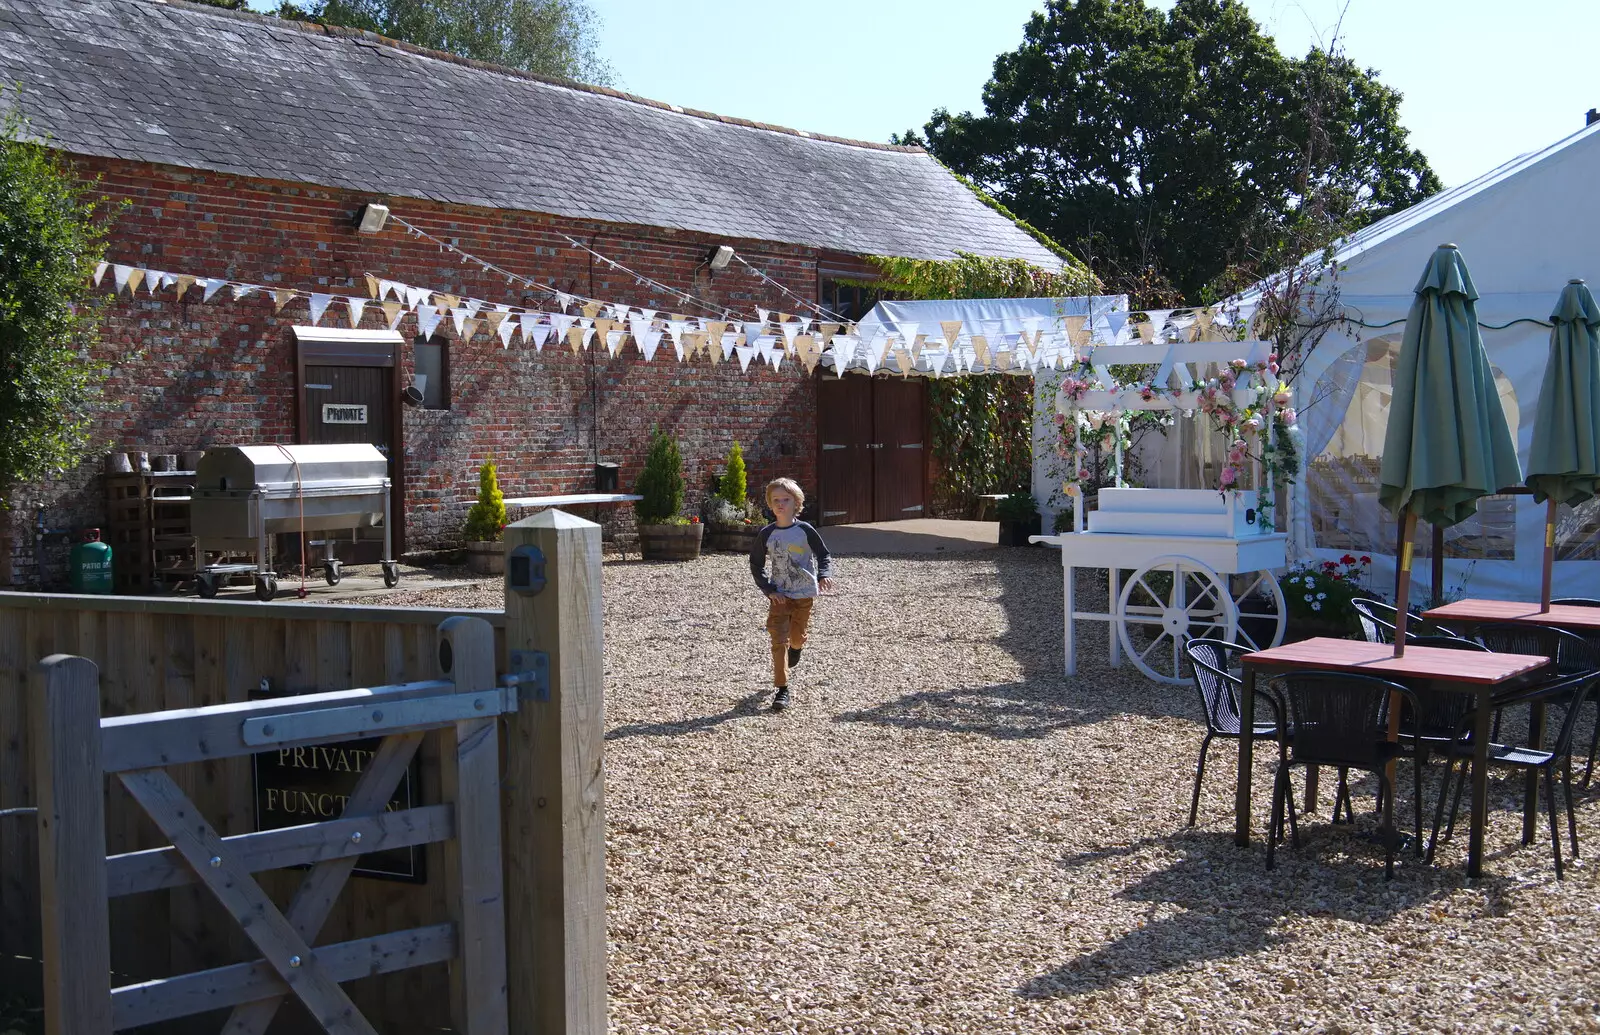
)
(1263, 617)
(1168, 602)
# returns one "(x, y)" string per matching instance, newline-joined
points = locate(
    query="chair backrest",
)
(1377, 619)
(1338, 718)
(1218, 687)
(1571, 692)
(1447, 642)
(1572, 653)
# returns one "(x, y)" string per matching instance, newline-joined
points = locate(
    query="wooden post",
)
(1402, 590)
(554, 801)
(469, 776)
(65, 711)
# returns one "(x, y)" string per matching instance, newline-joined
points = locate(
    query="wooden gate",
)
(75, 749)
(873, 450)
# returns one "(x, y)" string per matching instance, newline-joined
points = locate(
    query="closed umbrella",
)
(1447, 443)
(1564, 463)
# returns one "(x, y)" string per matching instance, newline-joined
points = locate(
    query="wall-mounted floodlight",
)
(373, 218)
(719, 257)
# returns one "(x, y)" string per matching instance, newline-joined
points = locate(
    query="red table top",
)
(1377, 659)
(1565, 616)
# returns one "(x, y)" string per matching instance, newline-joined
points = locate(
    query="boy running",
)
(800, 566)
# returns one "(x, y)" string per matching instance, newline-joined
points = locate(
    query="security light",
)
(719, 257)
(373, 217)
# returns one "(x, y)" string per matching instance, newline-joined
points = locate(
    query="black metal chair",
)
(1378, 622)
(1337, 719)
(1575, 689)
(1212, 661)
(1594, 739)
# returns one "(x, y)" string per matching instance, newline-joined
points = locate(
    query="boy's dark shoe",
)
(780, 700)
(794, 656)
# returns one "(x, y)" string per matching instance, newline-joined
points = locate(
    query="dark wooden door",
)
(898, 449)
(351, 404)
(872, 450)
(844, 423)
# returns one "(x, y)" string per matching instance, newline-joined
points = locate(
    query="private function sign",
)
(344, 413)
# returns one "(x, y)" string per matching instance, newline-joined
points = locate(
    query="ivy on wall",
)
(982, 426)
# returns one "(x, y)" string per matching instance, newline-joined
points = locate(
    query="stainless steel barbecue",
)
(246, 494)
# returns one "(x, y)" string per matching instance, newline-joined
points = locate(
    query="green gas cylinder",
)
(91, 564)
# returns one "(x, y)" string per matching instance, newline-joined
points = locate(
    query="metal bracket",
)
(529, 674)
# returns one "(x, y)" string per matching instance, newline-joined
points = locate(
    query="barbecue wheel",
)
(391, 574)
(206, 586)
(266, 587)
(333, 571)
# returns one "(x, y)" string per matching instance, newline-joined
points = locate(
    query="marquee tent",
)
(1525, 228)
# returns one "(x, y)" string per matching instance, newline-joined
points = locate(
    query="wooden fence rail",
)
(75, 749)
(172, 653)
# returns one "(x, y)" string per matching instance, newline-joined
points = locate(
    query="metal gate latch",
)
(529, 675)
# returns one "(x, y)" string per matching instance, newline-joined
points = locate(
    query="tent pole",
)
(1402, 591)
(1436, 598)
(1549, 554)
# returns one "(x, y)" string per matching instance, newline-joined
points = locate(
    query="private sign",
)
(343, 413)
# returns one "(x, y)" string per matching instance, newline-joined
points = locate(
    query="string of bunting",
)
(957, 347)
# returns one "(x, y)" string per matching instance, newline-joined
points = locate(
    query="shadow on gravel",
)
(1007, 711)
(750, 705)
(1228, 905)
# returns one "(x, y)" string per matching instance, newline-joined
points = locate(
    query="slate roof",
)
(202, 88)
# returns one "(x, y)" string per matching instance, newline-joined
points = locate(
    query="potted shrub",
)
(1019, 518)
(664, 533)
(486, 521)
(1317, 595)
(732, 525)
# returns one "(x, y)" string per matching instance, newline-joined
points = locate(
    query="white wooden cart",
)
(1202, 560)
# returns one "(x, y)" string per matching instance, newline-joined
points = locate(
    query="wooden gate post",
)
(65, 711)
(554, 801)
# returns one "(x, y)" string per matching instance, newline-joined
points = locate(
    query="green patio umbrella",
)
(1447, 443)
(1564, 463)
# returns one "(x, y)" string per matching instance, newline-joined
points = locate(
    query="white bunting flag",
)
(563, 300)
(211, 285)
(908, 335)
(458, 316)
(120, 276)
(614, 340)
(561, 323)
(100, 272)
(729, 340)
(744, 352)
(791, 329)
(428, 320)
(648, 342)
(387, 288)
(319, 305)
(153, 279)
(764, 314)
(357, 307)
(244, 290)
(416, 297)
(754, 331)
(775, 357)
(474, 306)
(535, 331)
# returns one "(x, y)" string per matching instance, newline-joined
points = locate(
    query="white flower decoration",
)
(1316, 607)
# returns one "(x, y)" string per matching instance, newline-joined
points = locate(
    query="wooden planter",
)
(670, 542)
(486, 558)
(731, 538)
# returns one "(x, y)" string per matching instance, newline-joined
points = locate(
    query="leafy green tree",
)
(1174, 147)
(52, 236)
(661, 482)
(732, 486)
(486, 520)
(231, 5)
(547, 37)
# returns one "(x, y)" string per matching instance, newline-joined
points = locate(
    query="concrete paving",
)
(919, 535)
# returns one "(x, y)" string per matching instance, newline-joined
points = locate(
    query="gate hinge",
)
(529, 675)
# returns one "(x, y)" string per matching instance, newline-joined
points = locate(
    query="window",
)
(848, 300)
(431, 372)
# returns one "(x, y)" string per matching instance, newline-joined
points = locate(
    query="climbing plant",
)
(982, 427)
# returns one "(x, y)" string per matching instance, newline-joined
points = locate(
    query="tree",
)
(486, 519)
(231, 5)
(1164, 149)
(52, 236)
(546, 37)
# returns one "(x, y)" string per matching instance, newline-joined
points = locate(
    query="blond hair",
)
(790, 486)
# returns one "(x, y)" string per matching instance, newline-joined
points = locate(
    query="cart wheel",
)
(391, 574)
(1263, 617)
(333, 571)
(206, 586)
(266, 587)
(1172, 600)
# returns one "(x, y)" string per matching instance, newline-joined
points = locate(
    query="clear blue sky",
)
(1484, 80)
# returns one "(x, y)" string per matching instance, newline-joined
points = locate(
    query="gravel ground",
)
(944, 834)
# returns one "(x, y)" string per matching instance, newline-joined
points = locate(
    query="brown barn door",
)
(351, 404)
(898, 449)
(844, 423)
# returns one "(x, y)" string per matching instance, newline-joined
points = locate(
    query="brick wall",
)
(190, 374)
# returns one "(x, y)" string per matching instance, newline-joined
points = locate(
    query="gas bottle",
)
(91, 564)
